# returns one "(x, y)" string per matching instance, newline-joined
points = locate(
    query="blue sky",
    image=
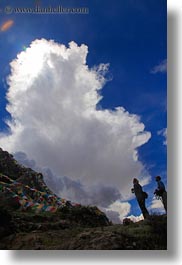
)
(129, 35)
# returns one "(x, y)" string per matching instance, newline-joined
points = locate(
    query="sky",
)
(83, 98)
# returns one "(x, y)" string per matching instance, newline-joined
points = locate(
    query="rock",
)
(6, 225)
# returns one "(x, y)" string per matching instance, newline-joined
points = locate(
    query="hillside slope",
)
(33, 217)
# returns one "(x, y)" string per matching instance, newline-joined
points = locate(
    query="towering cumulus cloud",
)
(52, 100)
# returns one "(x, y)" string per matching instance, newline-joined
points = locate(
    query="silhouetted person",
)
(161, 192)
(140, 196)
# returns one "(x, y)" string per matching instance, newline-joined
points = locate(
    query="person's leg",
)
(164, 200)
(143, 208)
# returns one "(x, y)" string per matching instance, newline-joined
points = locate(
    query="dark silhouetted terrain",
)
(33, 217)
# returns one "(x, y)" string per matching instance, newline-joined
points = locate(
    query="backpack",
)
(145, 195)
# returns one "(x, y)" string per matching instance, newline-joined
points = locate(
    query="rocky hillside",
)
(24, 190)
(33, 217)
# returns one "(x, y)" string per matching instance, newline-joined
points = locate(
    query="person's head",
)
(135, 181)
(157, 178)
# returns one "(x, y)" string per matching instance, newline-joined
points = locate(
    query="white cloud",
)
(71, 189)
(163, 132)
(52, 99)
(113, 216)
(121, 208)
(160, 68)
(157, 206)
(136, 218)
